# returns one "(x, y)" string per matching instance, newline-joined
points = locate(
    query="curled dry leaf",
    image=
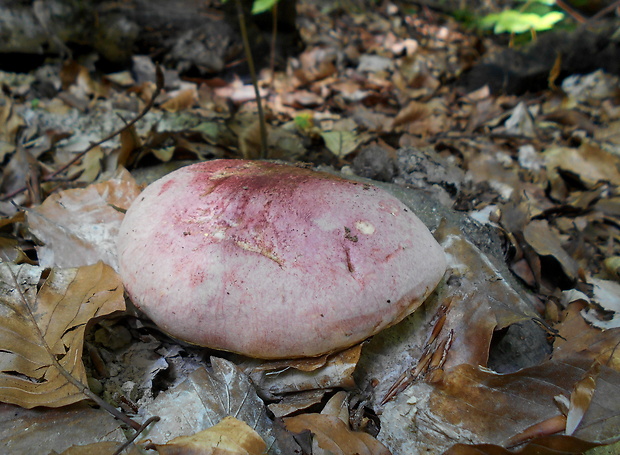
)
(295, 403)
(539, 236)
(79, 226)
(229, 437)
(68, 300)
(604, 312)
(481, 301)
(590, 163)
(332, 436)
(521, 122)
(475, 405)
(576, 335)
(273, 378)
(581, 397)
(331, 431)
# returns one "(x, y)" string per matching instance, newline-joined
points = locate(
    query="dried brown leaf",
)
(552, 425)
(581, 397)
(590, 163)
(10, 124)
(40, 431)
(17, 171)
(576, 335)
(250, 141)
(204, 399)
(412, 112)
(481, 300)
(274, 378)
(612, 267)
(90, 165)
(338, 406)
(180, 101)
(79, 226)
(295, 403)
(549, 445)
(229, 437)
(571, 117)
(316, 63)
(496, 407)
(545, 242)
(474, 405)
(68, 300)
(130, 141)
(333, 436)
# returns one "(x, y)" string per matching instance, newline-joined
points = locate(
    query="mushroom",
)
(274, 261)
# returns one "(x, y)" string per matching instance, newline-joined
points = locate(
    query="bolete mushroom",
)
(274, 261)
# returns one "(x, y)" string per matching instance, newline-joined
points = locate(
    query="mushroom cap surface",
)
(274, 261)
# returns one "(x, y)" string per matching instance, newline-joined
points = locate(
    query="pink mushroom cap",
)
(274, 261)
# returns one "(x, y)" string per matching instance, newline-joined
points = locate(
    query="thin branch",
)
(274, 37)
(248, 54)
(70, 378)
(62, 370)
(571, 12)
(138, 432)
(159, 78)
(604, 11)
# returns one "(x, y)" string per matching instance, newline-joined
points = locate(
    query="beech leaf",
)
(333, 436)
(341, 143)
(79, 226)
(45, 431)
(475, 405)
(204, 399)
(57, 316)
(230, 437)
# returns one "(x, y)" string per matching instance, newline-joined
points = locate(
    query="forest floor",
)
(526, 147)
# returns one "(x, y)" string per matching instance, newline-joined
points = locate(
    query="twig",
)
(274, 37)
(583, 21)
(248, 54)
(71, 379)
(571, 12)
(139, 431)
(62, 370)
(605, 10)
(159, 78)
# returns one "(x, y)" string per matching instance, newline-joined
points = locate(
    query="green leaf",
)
(549, 20)
(488, 21)
(544, 2)
(512, 21)
(304, 121)
(260, 6)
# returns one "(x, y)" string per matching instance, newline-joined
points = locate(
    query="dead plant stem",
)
(62, 370)
(259, 104)
(274, 37)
